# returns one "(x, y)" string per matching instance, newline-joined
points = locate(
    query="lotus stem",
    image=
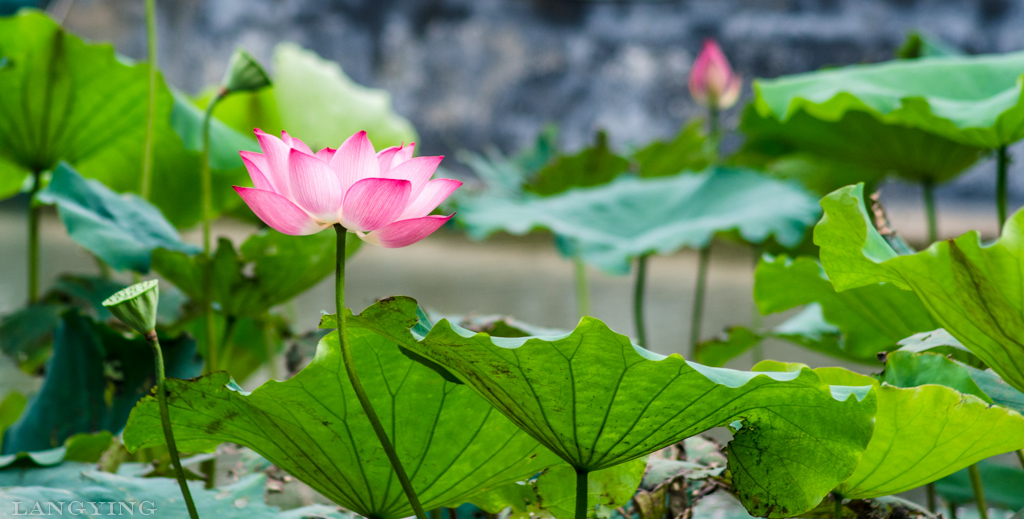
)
(581, 493)
(697, 316)
(435, 513)
(357, 385)
(33, 238)
(207, 200)
(837, 506)
(1020, 457)
(756, 320)
(1002, 170)
(930, 496)
(147, 150)
(638, 300)
(165, 418)
(979, 491)
(453, 513)
(582, 290)
(929, 208)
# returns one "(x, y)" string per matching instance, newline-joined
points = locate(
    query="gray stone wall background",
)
(474, 73)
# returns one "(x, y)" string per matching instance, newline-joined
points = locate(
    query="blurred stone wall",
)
(470, 73)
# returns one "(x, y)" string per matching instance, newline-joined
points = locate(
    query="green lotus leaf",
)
(597, 401)
(452, 442)
(225, 141)
(871, 319)
(974, 100)
(612, 224)
(859, 139)
(82, 447)
(68, 100)
(590, 167)
(1002, 486)
(11, 408)
(921, 45)
(505, 176)
(268, 269)
(688, 151)
(72, 486)
(922, 433)
(93, 379)
(970, 289)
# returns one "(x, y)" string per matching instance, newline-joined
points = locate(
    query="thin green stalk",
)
(837, 506)
(714, 130)
(269, 338)
(1002, 168)
(207, 201)
(929, 209)
(435, 513)
(147, 151)
(930, 493)
(756, 320)
(33, 238)
(1020, 457)
(979, 491)
(165, 418)
(697, 316)
(357, 385)
(638, 300)
(581, 493)
(582, 290)
(453, 513)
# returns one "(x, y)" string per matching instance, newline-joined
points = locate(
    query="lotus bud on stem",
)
(136, 307)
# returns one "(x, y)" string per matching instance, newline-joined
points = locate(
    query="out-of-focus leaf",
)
(921, 45)
(593, 166)
(268, 269)
(612, 224)
(688, 151)
(1002, 486)
(453, 444)
(82, 447)
(93, 379)
(122, 230)
(821, 174)
(504, 176)
(25, 334)
(606, 402)
(921, 433)
(971, 290)
(975, 100)
(11, 408)
(225, 141)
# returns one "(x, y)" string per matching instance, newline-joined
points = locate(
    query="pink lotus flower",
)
(712, 81)
(385, 198)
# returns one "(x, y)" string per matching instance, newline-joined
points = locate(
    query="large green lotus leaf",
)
(860, 139)
(318, 103)
(225, 141)
(552, 493)
(72, 486)
(67, 100)
(452, 442)
(1002, 486)
(629, 217)
(598, 401)
(688, 151)
(122, 230)
(971, 290)
(84, 447)
(921, 433)
(590, 167)
(505, 176)
(93, 379)
(268, 269)
(871, 319)
(975, 100)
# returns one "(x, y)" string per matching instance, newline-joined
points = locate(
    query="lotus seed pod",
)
(244, 73)
(136, 305)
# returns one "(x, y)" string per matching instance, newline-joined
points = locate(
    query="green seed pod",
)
(136, 305)
(244, 74)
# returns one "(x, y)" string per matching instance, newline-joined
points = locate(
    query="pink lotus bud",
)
(712, 81)
(385, 198)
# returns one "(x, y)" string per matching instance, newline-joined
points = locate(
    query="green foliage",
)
(453, 443)
(615, 223)
(970, 290)
(598, 401)
(688, 151)
(922, 433)
(504, 176)
(1002, 486)
(11, 408)
(974, 100)
(81, 447)
(281, 268)
(73, 485)
(870, 319)
(225, 141)
(921, 45)
(94, 378)
(80, 103)
(593, 166)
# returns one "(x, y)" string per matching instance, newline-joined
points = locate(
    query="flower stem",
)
(930, 496)
(207, 201)
(357, 386)
(929, 208)
(638, 300)
(147, 151)
(582, 290)
(1002, 169)
(581, 491)
(697, 317)
(979, 491)
(1020, 457)
(837, 506)
(33, 238)
(165, 418)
